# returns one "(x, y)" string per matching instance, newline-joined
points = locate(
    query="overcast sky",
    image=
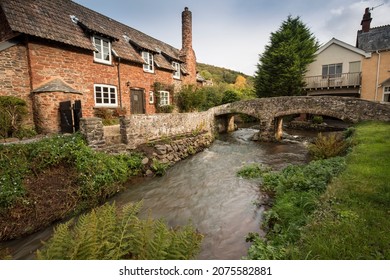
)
(232, 33)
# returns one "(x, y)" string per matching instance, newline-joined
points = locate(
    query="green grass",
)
(318, 214)
(353, 221)
(252, 171)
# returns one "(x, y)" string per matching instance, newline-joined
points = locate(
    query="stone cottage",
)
(53, 51)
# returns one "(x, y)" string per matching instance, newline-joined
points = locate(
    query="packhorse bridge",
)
(270, 111)
(137, 129)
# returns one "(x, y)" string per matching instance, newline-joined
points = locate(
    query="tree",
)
(240, 82)
(282, 66)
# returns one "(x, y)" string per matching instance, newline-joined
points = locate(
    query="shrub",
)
(327, 146)
(190, 99)
(296, 194)
(252, 171)
(166, 109)
(230, 96)
(108, 116)
(159, 168)
(12, 111)
(318, 119)
(98, 174)
(103, 234)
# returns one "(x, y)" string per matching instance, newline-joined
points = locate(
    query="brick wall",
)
(78, 69)
(369, 76)
(46, 106)
(14, 76)
(49, 61)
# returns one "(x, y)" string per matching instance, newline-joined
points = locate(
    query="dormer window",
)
(148, 58)
(102, 52)
(176, 74)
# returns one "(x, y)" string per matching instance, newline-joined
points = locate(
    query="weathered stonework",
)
(93, 131)
(269, 110)
(139, 129)
(174, 150)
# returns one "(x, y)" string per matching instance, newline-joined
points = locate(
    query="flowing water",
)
(205, 190)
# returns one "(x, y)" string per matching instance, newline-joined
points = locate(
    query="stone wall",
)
(268, 110)
(14, 76)
(139, 129)
(93, 131)
(174, 150)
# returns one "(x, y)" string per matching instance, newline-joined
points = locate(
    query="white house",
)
(336, 70)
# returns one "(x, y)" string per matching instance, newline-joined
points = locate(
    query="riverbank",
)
(59, 177)
(349, 220)
(353, 219)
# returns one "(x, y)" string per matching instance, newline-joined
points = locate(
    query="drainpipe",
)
(377, 75)
(119, 83)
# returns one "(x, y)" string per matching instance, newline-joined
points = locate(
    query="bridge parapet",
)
(270, 110)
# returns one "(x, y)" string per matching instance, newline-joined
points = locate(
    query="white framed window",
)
(105, 96)
(386, 94)
(149, 65)
(164, 98)
(151, 97)
(102, 51)
(332, 70)
(176, 74)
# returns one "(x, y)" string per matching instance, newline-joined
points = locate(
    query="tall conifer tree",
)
(282, 66)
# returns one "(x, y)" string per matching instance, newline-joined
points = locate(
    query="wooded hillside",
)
(218, 74)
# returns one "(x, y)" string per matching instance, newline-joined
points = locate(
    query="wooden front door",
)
(137, 101)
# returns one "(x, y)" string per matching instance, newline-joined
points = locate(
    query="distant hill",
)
(219, 74)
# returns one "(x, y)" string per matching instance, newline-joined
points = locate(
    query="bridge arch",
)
(270, 111)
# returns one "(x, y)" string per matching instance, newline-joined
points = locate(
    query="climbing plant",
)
(158, 88)
(12, 111)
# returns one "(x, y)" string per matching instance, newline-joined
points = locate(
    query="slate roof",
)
(377, 39)
(52, 20)
(56, 85)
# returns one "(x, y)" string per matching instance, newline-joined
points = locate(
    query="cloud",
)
(233, 33)
(338, 11)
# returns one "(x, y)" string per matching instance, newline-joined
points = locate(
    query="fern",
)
(106, 234)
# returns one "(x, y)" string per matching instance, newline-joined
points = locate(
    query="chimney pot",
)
(366, 21)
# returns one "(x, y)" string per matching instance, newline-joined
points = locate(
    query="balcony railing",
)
(344, 80)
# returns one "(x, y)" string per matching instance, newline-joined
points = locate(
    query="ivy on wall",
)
(158, 87)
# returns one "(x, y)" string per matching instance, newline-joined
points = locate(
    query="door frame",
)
(142, 91)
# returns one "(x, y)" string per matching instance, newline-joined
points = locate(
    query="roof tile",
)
(51, 19)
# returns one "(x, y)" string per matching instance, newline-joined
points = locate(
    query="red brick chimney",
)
(187, 53)
(366, 21)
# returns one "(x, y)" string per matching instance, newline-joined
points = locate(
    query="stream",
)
(204, 190)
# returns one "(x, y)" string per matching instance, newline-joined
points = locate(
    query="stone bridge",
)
(270, 111)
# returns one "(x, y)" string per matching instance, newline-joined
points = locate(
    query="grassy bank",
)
(353, 220)
(51, 179)
(347, 218)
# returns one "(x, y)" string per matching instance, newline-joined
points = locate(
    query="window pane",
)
(324, 70)
(105, 95)
(339, 68)
(98, 43)
(332, 70)
(98, 55)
